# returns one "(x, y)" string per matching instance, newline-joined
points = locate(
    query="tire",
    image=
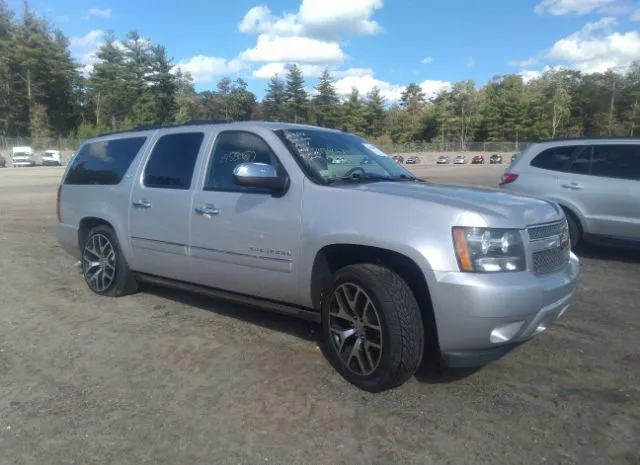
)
(575, 231)
(401, 328)
(102, 260)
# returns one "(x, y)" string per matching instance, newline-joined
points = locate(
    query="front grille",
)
(551, 260)
(546, 231)
(549, 255)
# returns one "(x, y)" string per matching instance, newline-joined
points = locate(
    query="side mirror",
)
(259, 175)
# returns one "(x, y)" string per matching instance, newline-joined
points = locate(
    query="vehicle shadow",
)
(270, 320)
(429, 372)
(606, 252)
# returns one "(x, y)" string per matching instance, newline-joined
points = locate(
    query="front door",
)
(244, 239)
(159, 211)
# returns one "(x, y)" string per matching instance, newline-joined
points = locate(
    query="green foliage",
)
(44, 93)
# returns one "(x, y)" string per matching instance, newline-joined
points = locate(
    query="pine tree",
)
(297, 107)
(274, 100)
(326, 102)
(355, 113)
(375, 112)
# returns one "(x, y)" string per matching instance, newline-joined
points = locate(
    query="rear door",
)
(605, 182)
(159, 211)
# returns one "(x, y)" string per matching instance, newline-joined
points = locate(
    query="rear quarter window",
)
(103, 162)
(555, 158)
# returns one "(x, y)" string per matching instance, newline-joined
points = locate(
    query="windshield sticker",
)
(375, 150)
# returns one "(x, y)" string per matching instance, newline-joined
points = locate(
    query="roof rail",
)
(149, 127)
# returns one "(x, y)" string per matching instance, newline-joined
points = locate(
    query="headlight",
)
(488, 250)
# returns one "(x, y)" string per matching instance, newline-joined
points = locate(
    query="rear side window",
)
(581, 165)
(172, 161)
(555, 158)
(104, 162)
(616, 161)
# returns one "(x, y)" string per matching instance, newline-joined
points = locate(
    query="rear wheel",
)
(104, 267)
(372, 327)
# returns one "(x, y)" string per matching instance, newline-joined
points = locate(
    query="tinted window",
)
(103, 162)
(616, 161)
(555, 158)
(581, 164)
(172, 161)
(232, 148)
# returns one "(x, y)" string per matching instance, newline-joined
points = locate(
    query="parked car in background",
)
(514, 156)
(3, 161)
(443, 160)
(595, 181)
(477, 160)
(23, 156)
(412, 160)
(51, 158)
(474, 274)
(398, 158)
(495, 159)
(460, 160)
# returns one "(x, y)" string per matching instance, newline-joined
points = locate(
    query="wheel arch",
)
(332, 257)
(86, 224)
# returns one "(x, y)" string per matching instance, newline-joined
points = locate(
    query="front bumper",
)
(480, 317)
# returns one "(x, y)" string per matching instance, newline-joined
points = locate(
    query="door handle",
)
(144, 203)
(572, 185)
(207, 210)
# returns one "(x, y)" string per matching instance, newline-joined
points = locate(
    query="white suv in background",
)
(595, 180)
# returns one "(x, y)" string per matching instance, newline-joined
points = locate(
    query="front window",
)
(329, 157)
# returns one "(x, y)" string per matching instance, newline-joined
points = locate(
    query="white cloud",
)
(205, 68)
(635, 16)
(294, 49)
(471, 62)
(62, 19)
(427, 60)
(352, 72)
(311, 35)
(268, 70)
(596, 48)
(433, 88)
(84, 48)
(102, 13)
(365, 82)
(529, 75)
(566, 7)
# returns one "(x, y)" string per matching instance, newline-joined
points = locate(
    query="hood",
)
(497, 207)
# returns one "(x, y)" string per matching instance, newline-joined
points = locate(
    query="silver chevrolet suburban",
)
(396, 269)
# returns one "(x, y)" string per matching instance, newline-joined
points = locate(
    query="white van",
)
(23, 156)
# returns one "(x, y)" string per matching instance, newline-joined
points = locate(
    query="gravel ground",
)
(169, 378)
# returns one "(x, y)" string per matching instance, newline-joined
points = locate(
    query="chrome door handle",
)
(207, 210)
(144, 203)
(572, 185)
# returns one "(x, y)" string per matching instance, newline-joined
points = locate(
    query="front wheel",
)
(372, 327)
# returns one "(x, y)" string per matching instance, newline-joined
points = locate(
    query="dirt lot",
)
(162, 377)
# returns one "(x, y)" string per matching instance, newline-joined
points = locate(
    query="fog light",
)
(505, 333)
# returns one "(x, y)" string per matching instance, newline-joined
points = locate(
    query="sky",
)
(364, 43)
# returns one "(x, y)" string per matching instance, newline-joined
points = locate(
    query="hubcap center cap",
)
(359, 327)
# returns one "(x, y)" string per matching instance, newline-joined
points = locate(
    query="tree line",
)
(44, 93)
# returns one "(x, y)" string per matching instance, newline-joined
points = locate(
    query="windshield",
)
(330, 156)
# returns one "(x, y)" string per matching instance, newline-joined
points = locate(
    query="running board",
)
(277, 307)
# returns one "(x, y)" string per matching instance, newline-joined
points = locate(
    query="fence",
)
(70, 145)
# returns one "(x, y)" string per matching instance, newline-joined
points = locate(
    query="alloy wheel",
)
(99, 263)
(356, 330)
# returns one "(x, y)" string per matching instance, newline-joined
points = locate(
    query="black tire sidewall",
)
(381, 378)
(574, 230)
